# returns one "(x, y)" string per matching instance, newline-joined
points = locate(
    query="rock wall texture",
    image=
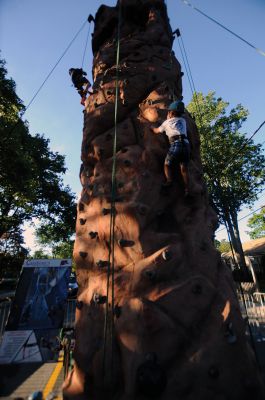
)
(177, 331)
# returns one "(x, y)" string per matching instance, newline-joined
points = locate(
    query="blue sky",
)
(34, 33)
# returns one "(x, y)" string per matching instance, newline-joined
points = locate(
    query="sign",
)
(19, 347)
(41, 295)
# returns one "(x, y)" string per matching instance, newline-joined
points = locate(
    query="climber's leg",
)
(168, 175)
(185, 176)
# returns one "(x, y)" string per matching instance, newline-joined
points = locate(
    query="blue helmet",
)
(177, 106)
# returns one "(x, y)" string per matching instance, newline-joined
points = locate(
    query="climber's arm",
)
(155, 130)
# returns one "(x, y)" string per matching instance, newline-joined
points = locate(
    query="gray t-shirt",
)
(174, 127)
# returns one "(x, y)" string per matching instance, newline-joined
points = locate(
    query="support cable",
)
(232, 159)
(248, 215)
(261, 52)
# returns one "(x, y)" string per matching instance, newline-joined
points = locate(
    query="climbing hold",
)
(93, 235)
(151, 275)
(167, 255)
(106, 211)
(103, 264)
(79, 305)
(81, 206)
(213, 372)
(151, 379)
(90, 18)
(98, 299)
(82, 221)
(197, 289)
(108, 136)
(117, 311)
(82, 254)
(126, 243)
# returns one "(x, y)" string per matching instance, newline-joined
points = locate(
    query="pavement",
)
(21, 380)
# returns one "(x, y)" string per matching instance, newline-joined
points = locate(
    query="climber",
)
(81, 83)
(179, 150)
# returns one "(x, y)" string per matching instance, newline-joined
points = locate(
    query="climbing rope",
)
(87, 37)
(47, 77)
(224, 27)
(111, 259)
(57, 62)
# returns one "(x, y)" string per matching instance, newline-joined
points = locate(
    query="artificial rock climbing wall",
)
(177, 332)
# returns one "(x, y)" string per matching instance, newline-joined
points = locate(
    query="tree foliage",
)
(257, 225)
(223, 246)
(234, 166)
(31, 183)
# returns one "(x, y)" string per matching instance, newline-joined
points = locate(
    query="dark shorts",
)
(179, 152)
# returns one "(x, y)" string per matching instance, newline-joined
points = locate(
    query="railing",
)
(69, 315)
(4, 313)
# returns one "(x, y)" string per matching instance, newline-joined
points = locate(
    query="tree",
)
(234, 166)
(257, 225)
(31, 182)
(223, 246)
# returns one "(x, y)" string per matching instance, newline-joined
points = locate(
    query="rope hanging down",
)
(82, 64)
(224, 27)
(110, 270)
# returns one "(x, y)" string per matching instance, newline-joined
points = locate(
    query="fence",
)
(252, 307)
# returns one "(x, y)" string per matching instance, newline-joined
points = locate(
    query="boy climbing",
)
(81, 83)
(179, 151)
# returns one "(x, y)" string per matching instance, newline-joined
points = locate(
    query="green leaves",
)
(234, 166)
(31, 182)
(257, 225)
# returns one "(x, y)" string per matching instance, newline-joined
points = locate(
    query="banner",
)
(41, 295)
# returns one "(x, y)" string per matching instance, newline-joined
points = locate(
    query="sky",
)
(35, 33)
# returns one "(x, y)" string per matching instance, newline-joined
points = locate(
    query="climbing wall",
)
(176, 331)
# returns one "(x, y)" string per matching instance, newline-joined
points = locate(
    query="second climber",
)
(179, 151)
(80, 82)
